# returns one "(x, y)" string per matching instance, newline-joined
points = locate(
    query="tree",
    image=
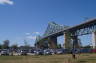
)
(0, 46)
(26, 46)
(59, 46)
(6, 44)
(14, 46)
(87, 46)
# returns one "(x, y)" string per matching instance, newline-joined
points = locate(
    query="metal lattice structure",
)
(84, 28)
(81, 29)
(54, 28)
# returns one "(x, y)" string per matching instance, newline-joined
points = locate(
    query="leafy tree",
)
(14, 46)
(59, 46)
(42, 44)
(0, 46)
(87, 46)
(6, 44)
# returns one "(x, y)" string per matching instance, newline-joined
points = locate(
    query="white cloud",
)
(37, 33)
(31, 37)
(33, 33)
(10, 2)
(28, 33)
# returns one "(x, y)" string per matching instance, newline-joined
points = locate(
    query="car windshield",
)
(4, 50)
(59, 50)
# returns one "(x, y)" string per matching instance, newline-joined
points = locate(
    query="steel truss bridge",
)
(70, 33)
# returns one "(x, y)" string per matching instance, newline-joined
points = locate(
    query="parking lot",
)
(19, 52)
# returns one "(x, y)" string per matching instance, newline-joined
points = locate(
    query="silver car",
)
(4, 52)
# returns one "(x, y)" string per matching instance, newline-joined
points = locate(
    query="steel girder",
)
(54, 28)
(87, 29)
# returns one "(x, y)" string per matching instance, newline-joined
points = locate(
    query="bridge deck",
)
(82, 25)
(86, 24)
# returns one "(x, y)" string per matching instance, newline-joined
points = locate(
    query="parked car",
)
(47, 52)
(38, 52)
(59, 51)
(22, 52)
(31, 52)
(76, 50)
(53, 51)
(4, 52)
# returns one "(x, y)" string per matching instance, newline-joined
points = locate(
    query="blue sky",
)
(27, 18)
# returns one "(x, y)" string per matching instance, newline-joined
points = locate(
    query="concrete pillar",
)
(94, 40)
(75, 42)
(67, 41)
(52, 42)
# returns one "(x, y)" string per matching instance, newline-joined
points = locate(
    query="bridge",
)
(70, 34)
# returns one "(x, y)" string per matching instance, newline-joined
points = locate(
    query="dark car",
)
(31, 52)
(22, 52)
(38, 52)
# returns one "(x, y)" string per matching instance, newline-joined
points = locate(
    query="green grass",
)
(67, 58)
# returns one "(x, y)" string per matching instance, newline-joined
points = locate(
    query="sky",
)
(25, 19)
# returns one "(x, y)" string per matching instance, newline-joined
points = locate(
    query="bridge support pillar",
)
(94, 40)
(67, 41)
(52, 42)
(75, 42)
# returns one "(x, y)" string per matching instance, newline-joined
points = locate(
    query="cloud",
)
(37, 33)
(10, 2)
(28, 33)
(33, 33)
(31, 37)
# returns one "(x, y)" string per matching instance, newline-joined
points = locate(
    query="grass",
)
(67, 58)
